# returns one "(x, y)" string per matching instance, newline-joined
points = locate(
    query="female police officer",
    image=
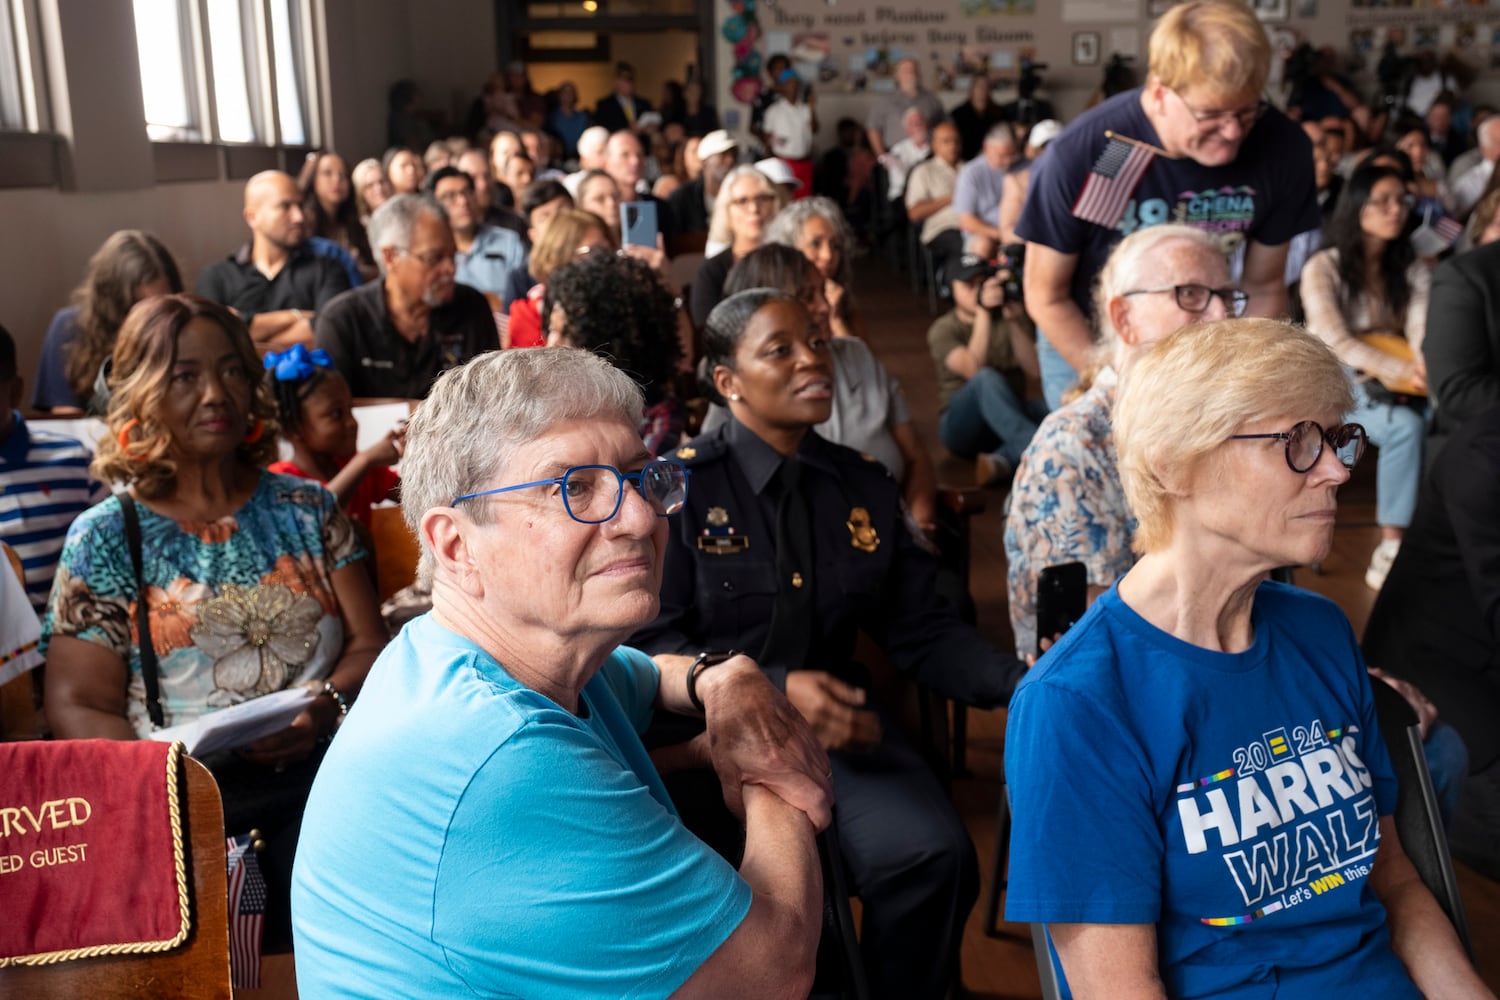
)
(787, 546)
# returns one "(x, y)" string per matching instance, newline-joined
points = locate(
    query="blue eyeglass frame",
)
(638, 478)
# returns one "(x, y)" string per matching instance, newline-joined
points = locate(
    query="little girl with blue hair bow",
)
(316, 411)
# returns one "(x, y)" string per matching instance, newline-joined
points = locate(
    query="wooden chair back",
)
(198, 969)
(396, 551)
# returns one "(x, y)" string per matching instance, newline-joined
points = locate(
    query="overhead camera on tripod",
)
(1301, 66)
(1394, 72)
(1031, 81)
(1028, 109)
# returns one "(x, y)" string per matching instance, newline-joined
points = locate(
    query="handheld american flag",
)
(247, 912)
(1113, 180)
(1449, 229)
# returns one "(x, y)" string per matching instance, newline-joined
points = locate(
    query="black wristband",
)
(703, 661)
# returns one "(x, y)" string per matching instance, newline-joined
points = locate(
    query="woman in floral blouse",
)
(1068, 503)
(251, 579)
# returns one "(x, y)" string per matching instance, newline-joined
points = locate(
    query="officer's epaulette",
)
(704, 448)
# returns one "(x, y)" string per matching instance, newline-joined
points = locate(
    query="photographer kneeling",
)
(985, 355)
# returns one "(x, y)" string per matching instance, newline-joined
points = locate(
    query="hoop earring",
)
(255, 432)
(124, 435)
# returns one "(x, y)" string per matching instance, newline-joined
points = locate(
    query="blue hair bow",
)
(296, 363)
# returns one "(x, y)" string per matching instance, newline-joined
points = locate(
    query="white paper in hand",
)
(227, 728)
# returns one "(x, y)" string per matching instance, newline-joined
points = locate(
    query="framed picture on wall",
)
(1270, 10)
(1085, 48)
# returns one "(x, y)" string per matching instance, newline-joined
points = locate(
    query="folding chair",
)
(1046, 969)
(1418, 820)
(841, 971)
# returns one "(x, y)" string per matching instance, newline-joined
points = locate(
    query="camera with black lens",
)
(1013, 259)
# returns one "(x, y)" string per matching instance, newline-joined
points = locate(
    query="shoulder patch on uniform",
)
(700, 450)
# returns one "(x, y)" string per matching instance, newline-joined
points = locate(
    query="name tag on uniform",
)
(723, 545)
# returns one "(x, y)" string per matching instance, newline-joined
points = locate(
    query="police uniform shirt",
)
(720, 579)
(378, 362)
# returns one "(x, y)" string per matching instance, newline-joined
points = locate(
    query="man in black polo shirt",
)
(275, 282)
(394, 336)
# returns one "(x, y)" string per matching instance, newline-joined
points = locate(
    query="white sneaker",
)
(1380, 563)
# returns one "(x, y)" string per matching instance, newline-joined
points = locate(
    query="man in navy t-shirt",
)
(1232, 166)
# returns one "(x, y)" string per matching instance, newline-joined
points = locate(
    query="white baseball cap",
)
(778, 172)
(1044, 132)
(716, 142)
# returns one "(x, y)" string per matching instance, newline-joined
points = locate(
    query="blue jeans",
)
(985, 416)
(1057, 375)
(1398, 432)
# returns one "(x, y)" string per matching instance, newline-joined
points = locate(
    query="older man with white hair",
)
(590, 156)
(392, 337)
(1466, 189)
(980, 185)
(625, 161)
(1067, 504)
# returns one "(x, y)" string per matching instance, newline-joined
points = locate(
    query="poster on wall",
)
(1093, 11)
(1270, 10)
(1086, 48)
(855, 45)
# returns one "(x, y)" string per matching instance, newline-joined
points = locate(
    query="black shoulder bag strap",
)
(142, 612)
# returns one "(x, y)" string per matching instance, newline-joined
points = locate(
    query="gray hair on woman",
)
(393, 221)
(463, 434)
(1190, 392)
(1129, 267)
(787, 228)
(718, 225)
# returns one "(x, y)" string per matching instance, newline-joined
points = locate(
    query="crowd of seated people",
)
(713, 546)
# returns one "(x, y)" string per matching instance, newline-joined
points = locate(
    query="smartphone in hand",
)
(638, 223)
(1062, 596)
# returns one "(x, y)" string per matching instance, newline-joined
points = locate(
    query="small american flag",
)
(247, 913)
(1113, 180)
(1448, 229)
